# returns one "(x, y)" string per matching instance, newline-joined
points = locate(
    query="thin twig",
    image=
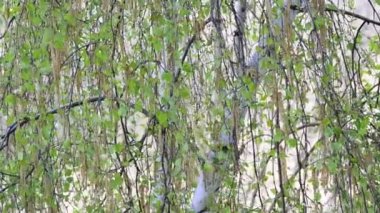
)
(8, 26)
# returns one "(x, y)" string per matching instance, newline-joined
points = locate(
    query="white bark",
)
(200, 195)
(210, 183)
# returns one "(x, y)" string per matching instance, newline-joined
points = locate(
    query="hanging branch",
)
(22, 122)
(190, 42)
(303, 165)
(343, 12)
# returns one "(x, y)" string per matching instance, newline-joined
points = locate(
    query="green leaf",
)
(122, 111)
(208, 167)
(118, 147)
(46, 131)
(328, 132)
(292, 143)
(184, 93)
(167, 76)
(157, 44)
(187, 68)
(69, 18)
(133, 86)
(332, 166)
(319, 22)
(101, 55)
(337, 146)
(48, 36)
(278, 136)
(10, 99)
(59, 41)
(116, 181)
(162, 118)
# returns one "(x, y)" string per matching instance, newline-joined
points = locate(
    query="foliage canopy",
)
(114, 106)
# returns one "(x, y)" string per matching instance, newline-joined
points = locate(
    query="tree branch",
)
(20, 123)
(343, 12)
(188, 46)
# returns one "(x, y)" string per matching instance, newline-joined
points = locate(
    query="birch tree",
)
(189, 106)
